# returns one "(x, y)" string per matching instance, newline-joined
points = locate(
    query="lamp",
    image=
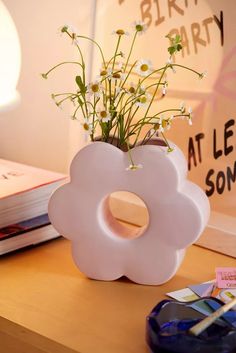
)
(10, 60)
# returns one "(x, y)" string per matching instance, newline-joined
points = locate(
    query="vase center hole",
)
(126, 213)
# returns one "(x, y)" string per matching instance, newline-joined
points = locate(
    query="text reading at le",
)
(216, 181)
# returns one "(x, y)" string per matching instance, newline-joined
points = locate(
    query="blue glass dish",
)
(168, 323)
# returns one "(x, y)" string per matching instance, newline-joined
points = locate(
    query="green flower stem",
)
(83, 72)
(151, 101)
(100, 49)
(133, 131)
(129, 153)
(110, 93)
(131, 49)
(127, 120)
(112, 58)
(167, 143)
(175, 116)
(127, 102)
(130, 100)
(117, 46)
(130, 117)
(85, 104)
(63, 63)
(147, 137)
(154, 116)
(114, 133)
(83, 112)
(74, 114)
(185, 67)
(128, 74)
(153, 72)
(81, 55)
(94, 114)
(145, 141)
(132, 104)
(167, 110)
(154, 84)
(63, 100)
(127, 127)
(65, 93)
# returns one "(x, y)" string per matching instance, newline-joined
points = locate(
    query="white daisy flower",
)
(140, 27)
(143, 100)
(72, 31)
(202, 75)
(63, 29)
(134, 167)
(190, 111)
(161, 124)
(143, 67)
(121, 32)
(94, 89)
(103, 74)
(131, 88)
(103, 115)
(164, 88)
(141, 90)
(169, 122)
(182, 107)
(87, 127)
(58, 104)
(117, 75)
(170, 64)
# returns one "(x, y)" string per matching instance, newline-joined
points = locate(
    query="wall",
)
(207, 29)
(37, 132)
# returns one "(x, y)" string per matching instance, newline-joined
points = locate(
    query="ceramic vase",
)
(101, 248)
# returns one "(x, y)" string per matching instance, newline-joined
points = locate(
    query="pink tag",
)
(226, 277)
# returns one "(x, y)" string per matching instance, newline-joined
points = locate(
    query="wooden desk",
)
(47, 305)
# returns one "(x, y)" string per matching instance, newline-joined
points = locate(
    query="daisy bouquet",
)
(108, 106)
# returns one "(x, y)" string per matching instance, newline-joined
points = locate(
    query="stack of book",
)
(24, 196)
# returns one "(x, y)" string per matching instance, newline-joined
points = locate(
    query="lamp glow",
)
(10, 60)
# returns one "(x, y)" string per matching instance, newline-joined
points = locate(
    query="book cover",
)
(23, 227)
(30, 238)
(18, 178)
(25, 191)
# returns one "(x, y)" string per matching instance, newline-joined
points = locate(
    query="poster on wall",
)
(207, 30)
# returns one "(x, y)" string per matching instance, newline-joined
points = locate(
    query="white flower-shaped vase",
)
(178, 212)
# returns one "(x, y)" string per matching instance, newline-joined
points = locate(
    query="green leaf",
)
(80, 101)
(179, 47)
(177, 39)
(80, 83)
(171, 50)
(175, 43)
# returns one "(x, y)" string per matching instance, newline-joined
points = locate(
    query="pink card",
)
(226, 277)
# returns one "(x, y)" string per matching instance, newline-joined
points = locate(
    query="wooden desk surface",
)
(47, 305)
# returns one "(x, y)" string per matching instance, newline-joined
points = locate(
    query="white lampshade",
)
(10, 59)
